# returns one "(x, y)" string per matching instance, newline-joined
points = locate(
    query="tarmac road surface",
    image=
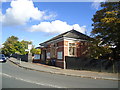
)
(16, 77)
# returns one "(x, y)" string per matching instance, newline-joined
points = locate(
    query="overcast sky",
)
(40, 21)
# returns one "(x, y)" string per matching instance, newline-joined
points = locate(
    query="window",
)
(48, 55)
(72, 49)
(36, 56)
(59, 55)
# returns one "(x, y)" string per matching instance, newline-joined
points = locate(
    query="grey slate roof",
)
(70, 34)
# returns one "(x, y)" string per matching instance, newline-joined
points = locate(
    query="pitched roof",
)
(71, 34)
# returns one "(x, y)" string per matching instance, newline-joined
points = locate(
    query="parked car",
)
(2, 58)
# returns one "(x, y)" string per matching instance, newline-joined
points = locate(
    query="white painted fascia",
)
(73, 39)
(65, 38)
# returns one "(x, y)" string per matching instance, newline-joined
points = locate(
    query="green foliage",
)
(12, 45)
(25, 43)
(106, 26)
(35, 51)
(96, 50)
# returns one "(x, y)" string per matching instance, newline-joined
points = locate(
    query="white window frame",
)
(75, 48)
(48, 55)
(61, 55)
(36, 56)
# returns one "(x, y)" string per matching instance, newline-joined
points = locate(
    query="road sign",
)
(29, 46)
(26, 50)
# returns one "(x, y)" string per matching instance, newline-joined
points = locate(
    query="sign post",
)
(29, 47)
(29, 54)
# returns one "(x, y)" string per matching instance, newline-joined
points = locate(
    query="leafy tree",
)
(12, 46)
(25, 43)
(35, 51)
(12, 39)
(9, 45)
(96, 51)
(106, 27)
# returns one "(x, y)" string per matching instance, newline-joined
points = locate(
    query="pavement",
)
(56, 70)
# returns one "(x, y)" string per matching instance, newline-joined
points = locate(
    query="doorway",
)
(43, 56)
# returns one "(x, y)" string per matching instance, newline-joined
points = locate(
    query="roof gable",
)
(77, 35)
(71, 34)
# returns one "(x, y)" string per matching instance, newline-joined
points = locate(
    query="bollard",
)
(20, 60)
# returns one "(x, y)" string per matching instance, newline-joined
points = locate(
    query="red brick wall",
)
(78, 46)
(48, 49)
(66, 48)
(59, 48)
(60, 43)
(81, 48)
(62, 46)
(59, 62)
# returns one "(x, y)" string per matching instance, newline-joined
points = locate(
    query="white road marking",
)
(43, 84)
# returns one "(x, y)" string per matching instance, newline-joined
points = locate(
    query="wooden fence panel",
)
(98, 65)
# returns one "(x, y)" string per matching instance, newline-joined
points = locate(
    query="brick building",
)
(71, 43)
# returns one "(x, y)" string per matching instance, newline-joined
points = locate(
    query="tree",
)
(25, 43)
(12, 46)
(96, 51)
(35, 51)
(12, 39)
(106, 27)
(9, 45)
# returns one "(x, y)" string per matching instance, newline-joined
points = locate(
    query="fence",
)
(25, 58)
(98, 65)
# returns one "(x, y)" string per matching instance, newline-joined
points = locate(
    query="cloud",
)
(96, 3)
(21, 12)
(56, 26)
(1, 15)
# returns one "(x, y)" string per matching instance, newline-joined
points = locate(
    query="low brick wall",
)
(36, 61)
(59, 63)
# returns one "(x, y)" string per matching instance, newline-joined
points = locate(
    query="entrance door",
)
(44, 56)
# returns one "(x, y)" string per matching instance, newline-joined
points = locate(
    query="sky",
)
(40, 21)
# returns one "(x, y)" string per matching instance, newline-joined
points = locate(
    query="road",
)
(24, 78)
